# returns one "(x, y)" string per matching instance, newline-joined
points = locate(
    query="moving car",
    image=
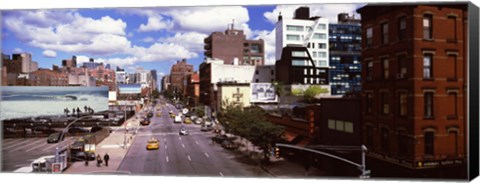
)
(206, 128)
(187, 121)
(55, 137)
(150, 114)
(145, 122)
(153, 144)
(177, 119)
(183, 131)
(159, 114)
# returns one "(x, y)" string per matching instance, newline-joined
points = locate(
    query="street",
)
(189, 155)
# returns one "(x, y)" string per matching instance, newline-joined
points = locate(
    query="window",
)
(293, 37)
(314, 54)
(384, 144)
(256, 81)
(402, 65)
(369, 70)
(453, 100)
(255, 48)
(452, 60)
(428, 104)
(369, 36)
(322, 45)
(385, 73)
(385, 33)
(402, 27)
(322, 27)
(339, 125)
(348, 127)
(322, 54)
(429, 138)
(319, 36)
(369, 103)
(427, 66)
(298, 62)
(294, 28)
(427, 26)
(369, 135)
(402, 143)
(402, 100)
(256, 71)
(452, 33)
(272, 72)
(298, 54)
(384, 102)
(331, 124)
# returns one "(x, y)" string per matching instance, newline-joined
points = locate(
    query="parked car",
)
(220, 138)
(206, 128)
(187, 120)
(145, 122)
(159, 114)
(150, 114)
(55, 137)
(153, 144)
(228, 144)
(183, 131)
(177, 119)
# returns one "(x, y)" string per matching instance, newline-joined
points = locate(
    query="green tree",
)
(278, 86)
(312, 91)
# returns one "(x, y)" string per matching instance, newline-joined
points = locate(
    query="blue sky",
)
(152, 38)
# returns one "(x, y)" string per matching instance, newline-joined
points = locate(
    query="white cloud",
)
(160, 52)
(17, 50)
(102, 44)
(329, 11)
(121, 62)
(193, 41)
(49, 53)
(148, 40)
(155, 23)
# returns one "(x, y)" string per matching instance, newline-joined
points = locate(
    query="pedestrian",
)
(99, 160)
(67, 111)
(73, 111)
(78, 112)
(86, 160)
(85, 108)
(106, 157)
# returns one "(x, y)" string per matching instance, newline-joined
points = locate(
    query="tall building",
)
(91, 64)
(414, 61)
(345, 51)
(232, 46)
(178, 73)
(193, 88)
(69, 63)
(47, 77)
(25, 62)
(153, 75)
(166, 83)
(306, 31)
(121, 76)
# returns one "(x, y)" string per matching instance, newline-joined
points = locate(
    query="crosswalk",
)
(170, 133)
(23, 145)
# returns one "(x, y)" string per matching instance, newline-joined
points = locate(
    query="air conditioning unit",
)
(400, 75)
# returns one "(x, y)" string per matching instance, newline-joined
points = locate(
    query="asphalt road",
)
(190, 155)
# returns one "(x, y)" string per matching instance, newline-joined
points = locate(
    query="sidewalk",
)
(113, 145)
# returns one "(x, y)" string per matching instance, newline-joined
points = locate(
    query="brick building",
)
(232, 44)
(47, 77)
(178, 73)
(193, 89)
(413, 84)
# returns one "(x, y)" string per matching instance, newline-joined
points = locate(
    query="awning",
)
(289, 136)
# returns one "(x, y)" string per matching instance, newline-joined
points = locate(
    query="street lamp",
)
(61, 136)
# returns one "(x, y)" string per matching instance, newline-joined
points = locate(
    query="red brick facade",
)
(414, 79)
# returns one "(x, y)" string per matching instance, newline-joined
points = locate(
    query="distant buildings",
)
(18, 68)
(413, 84)
(178, 74)
(232, 46)
(345, 50)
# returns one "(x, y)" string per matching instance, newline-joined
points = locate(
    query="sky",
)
(148, 37)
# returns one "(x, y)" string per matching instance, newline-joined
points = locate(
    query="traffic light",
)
(277, 152)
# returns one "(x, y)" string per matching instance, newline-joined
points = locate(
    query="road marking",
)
(196, 142)
(207, 155)
(180, 138)
(166, 158)
(164, 139)
(183, 145)
(189, 159)
(165, 147)
(9, 142)
(29, 145)
(26, 140)
(34, 147)
(221, 174)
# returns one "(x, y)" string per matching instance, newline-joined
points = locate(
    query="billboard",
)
(263, 93)
(130, 88)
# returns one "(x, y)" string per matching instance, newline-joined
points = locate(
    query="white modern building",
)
(120, 75)
(306, 31)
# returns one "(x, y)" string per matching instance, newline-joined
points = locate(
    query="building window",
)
(402, 143)
(385, 67)
(256, 72)
(256, 80)
(384, 103)
(314, 54)
(322, 45)
(322, 27)
(369, 103)
(402, 66)
(369, 36)
(385, 33)
(322, 54)
(298, 54)
(403, 107)
(384, 144)
(427, 26)
(452, 60)
(427, 66)
(255, 48)
(452, 33)
(369, 135)
(369, 70)
(453, 101)
(428, 104)
(331, 124)
(272, 72)
(294, 28)
(402, 27)
(429, 143)
(319, 36)
(293, 37)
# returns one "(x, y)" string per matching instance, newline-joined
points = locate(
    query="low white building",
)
(81, 80)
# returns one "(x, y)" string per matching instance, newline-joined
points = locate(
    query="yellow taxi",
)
(172, 115)
(187, 121)
(159, 114)
(153, 144)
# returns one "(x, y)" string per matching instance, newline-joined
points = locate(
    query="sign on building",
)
(263, 93)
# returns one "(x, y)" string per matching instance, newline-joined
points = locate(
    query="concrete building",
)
(165, 83)
(81, 80)
(345, 49)
(154, 77)
(121, 76)
(232, 45)
(414, 62)
(306, 31)
(232, 93)
(264, 74)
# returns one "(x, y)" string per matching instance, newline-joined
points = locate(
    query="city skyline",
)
(140, 33)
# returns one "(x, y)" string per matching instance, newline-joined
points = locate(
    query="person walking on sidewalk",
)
(106, 157)
(99, 160)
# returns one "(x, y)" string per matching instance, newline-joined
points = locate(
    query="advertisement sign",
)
(263, 93)
(129, 88)
(56, 167)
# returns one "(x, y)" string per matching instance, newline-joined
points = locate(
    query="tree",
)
(312, 91)
(155, 94)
